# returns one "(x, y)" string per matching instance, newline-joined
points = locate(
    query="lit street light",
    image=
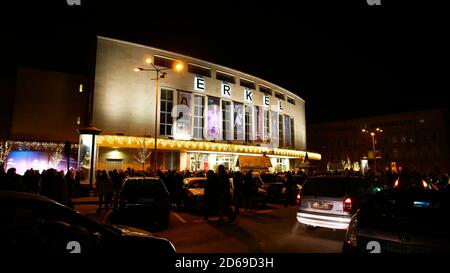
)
(178, 66)
(372, 134)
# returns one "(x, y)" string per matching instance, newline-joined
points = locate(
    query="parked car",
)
(274, 186)
(410, 181)
(193, 195)
(331, 201)
(143, 202)
(401, 222)
(34, 224)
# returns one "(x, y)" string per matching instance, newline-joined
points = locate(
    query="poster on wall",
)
(274, 127)
(238, 121)
(213, 132)
(182, 116)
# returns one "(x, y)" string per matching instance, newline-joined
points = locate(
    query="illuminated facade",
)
(207, 114)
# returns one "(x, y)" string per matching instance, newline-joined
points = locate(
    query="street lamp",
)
(372, 134)
(178, 66)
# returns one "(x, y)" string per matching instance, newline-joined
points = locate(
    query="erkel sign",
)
(226, 90)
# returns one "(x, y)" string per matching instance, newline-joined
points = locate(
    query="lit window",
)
(226, 120)
(166, 105)
(266, 125)
(78, 120)
(198, 117)
(81, 88)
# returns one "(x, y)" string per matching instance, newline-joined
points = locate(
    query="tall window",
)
(292, 133)
(226, 120)
(248, 123)
(266, 123)
(226, 160)
(165, 116)
(280, 131)
(198, 116)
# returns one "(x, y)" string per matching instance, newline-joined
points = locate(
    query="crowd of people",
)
(56, 185)
(222, 197)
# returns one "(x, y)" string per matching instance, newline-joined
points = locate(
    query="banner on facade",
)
(238, 121)
(213, 132)
(182, 116)
(274, 120)
(287, 131)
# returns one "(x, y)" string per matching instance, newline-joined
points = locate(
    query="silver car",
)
(331, 201)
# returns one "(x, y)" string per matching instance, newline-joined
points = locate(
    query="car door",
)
(36, 226)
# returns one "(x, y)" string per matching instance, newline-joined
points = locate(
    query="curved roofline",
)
(216, 66)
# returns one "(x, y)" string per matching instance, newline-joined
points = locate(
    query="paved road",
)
(272, 229)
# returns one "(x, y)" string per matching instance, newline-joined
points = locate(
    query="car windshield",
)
(409, 182)
(421, 208)
(144, 188)
(325, 187)
(197, 183)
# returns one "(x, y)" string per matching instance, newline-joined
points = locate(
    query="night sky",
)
(345, 58)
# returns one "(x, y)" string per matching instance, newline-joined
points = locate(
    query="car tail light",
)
(348, 204)
(299, 200)
(396, 183)
(424, 184)
(351, 237)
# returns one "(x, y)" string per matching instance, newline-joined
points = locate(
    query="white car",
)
(331, 201)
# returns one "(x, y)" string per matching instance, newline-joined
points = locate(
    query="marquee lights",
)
(204, 146)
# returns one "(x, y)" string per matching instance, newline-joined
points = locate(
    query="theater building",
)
(207, 114)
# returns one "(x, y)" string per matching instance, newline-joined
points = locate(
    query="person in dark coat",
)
(210, 194)
(248, 189)
(238, 191)
(291, 188)
(224, 194)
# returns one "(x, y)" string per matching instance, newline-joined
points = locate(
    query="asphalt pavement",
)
(273, 229)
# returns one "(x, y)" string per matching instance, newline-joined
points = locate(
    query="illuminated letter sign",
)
(266, 101)
(248, 95)
(226, 88)
(199, 84)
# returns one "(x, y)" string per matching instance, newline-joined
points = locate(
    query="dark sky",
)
(347, 59)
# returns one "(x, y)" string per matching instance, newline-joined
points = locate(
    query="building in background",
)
(41, 111)
(418, 140)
